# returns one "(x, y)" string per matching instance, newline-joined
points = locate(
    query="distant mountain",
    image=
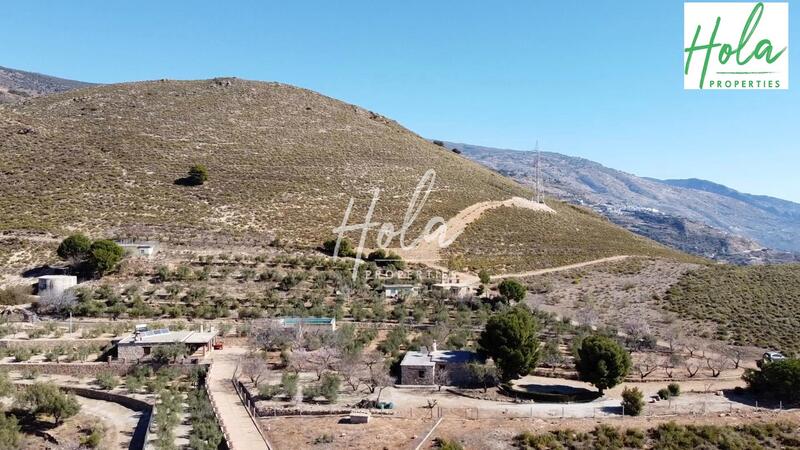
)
(696, 216)
(16, 85)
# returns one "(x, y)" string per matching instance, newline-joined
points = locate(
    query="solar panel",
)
(158, 332)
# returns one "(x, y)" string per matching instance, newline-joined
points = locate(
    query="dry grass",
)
(755, 305)
(513, 239)
(282, 160)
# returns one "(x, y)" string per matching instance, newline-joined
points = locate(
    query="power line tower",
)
(538, 172)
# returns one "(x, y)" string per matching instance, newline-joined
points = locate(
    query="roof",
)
(307, 320)
(165, 336)
(58, 277)
(400, 286)
(452, 285)
(415, 358)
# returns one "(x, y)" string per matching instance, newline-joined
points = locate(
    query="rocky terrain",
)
(695, 216)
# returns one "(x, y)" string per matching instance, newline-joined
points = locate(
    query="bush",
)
(779, 379)
(512, 290)
(632, 401)
(9, 432)
(41, 398)
(268, 391)
(446, 444)
(329, 386)
(107, 380)
(484, 276)
(22, 354)
(94, 438)
(289, 384)
(664, 394)
(346, 248)
(198, 174)
(674, 389)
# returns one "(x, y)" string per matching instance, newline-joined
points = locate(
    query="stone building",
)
(420, 368)
(140, 344)
(400, 290)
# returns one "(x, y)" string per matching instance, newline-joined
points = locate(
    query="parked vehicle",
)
(769, 357)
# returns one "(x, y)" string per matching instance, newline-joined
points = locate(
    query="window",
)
(421, 374)
(146, 350)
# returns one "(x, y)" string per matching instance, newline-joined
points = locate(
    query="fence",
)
(568, 411)
(211, 400)
(249, 403)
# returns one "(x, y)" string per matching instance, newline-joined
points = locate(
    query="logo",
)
(736, 45)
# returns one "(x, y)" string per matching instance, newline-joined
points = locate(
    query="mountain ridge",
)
(18, 85)
(741, 225)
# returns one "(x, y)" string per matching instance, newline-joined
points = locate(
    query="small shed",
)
(55, 284)
(142, 249)
(399, 290)
(459, 290)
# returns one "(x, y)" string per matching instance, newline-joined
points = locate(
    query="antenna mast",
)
(538, 173)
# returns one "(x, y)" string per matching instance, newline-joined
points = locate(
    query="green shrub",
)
(107, 380)
(198, 174)
(632, 401)
(447, 444)
(674, 389)
(41, 398)
(664, 394)
(289, 383)
(779, 379)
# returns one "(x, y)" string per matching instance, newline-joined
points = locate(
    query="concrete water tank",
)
(56, 284)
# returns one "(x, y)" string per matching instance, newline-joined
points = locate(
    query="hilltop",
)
(283, 163)
(17, 85)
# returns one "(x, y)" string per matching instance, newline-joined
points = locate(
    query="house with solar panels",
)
(140, 344)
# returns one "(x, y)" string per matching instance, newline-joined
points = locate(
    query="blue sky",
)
(601, 80)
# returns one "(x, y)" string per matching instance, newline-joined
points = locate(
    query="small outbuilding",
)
(55, 284)
(459, 290)
(142, 249)
(400, 290)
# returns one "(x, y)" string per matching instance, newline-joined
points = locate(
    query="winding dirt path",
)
(560, 268)
(428, 250)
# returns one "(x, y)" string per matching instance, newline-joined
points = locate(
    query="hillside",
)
(758, 305)
(283, 162)
(691, 216)
(514, 240)
(16, 85)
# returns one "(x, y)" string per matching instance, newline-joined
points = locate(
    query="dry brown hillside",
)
(283, 161)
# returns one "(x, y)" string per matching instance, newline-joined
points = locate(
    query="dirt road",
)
(560, 268)
(428, 250)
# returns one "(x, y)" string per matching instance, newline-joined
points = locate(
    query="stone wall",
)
(47, 344)
(417, 375)
(78, 370)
